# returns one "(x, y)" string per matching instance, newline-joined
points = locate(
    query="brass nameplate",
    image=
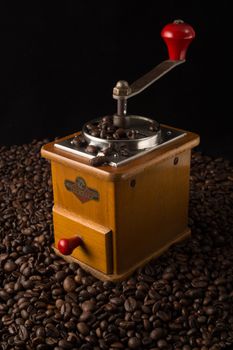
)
(80, 189)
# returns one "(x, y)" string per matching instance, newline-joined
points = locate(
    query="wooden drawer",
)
(97, 248)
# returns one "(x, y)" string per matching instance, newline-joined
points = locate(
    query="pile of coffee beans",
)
(182, 301)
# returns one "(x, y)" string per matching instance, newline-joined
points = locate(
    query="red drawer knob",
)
(177, 36)
(67, 245)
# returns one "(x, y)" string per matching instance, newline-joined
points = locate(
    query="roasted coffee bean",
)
(23, 333)
(131, 134)
(162, 344)
(116, 136)
(85, 315)
(60, 276)
(95, 133)
(107, 119)
(97, 161)
(9, 266)
(40, 332)
(210, 310)
(88, 305)
(83, 328)
(90, 126)
(121, 132)
(164, 316)
(64, 344)
(127, 324)
(107, 151)
(134, 343)
(196, 283)
(111, 129)
(79, 141)
(157, 333)
(154, 127)
(91, 149)
(130, 304)
(69, 284)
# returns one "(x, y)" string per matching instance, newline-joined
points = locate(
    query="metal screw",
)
(133, 183)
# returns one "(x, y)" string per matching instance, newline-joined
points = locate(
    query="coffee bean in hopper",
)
(91, 149)
(121, 132)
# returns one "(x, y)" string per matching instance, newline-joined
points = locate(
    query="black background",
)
(60, 61)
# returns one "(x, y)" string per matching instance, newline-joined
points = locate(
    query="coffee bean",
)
(199, 283)
(9, 266)
(88, 305)
(64, 344)
(134, 343)
(90, 126)
(23, 333)
(69, 284)
(127, 324)
(116, 136)
(111, 129)
(168, 276)
(116, 301)
(130, 304)
(162, 344)
(107, 119)
(95, 133)
(79, 141)
(97, 161)
(201, 319)
(157, 333)
(85, 315)
(83, 328)
(51, 341)
(107, 151)
(131, 134)
(40, 332)
(121, 132)
(164, 316)
(152, 128)
(210, 310)
(91, 149)
(60, 276)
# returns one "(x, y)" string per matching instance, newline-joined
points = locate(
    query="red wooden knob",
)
(67, 245)
(177, 36)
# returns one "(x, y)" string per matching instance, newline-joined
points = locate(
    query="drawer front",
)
(96, 250)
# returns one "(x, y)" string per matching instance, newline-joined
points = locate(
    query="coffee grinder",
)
(121, 184)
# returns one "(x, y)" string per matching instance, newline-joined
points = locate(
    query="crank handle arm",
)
(177, 36)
